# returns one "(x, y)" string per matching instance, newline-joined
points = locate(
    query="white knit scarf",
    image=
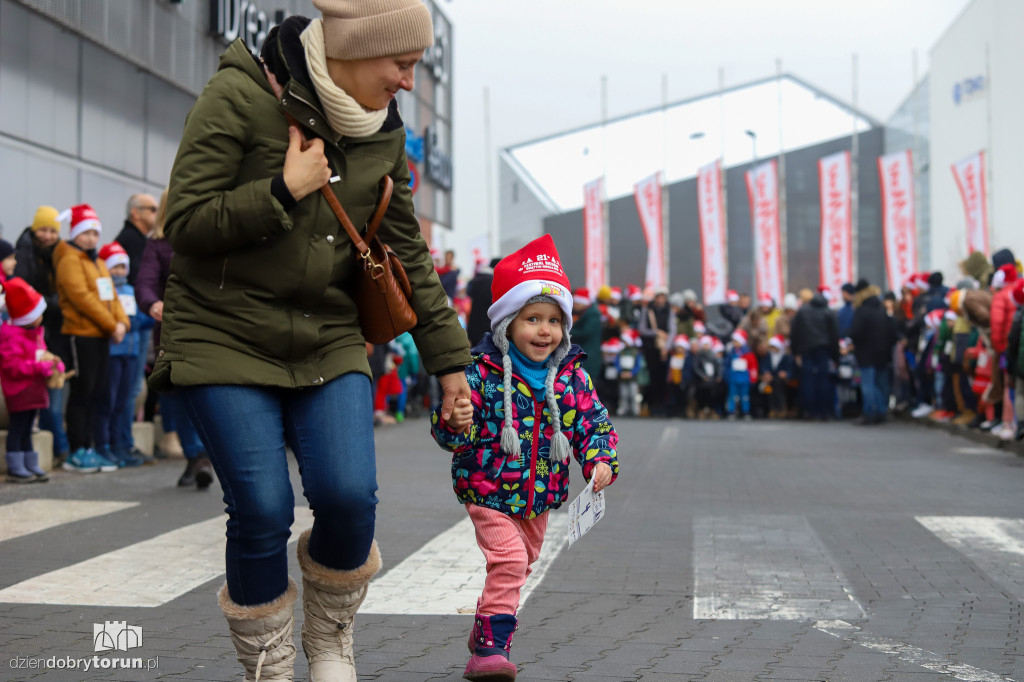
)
(346, 116)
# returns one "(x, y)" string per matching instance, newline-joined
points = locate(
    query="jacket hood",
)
(487, 347)
(864, 294)
(819, 301)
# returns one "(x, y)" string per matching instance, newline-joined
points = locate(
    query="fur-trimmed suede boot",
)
(262, 634)
(492, 644)
(330, 599)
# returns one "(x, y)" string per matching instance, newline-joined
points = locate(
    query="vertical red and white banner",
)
(836, 256)
(970, 178)
(593, 235)
(647, 193)
(899, 225)
(763, 192)
(711, 212)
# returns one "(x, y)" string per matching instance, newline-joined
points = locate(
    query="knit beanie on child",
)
(531, 275)
(364, 29)
(6, 249)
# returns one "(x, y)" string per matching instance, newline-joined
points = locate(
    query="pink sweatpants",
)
(510, 548)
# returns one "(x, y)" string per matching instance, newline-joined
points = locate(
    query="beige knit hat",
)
(364, 29)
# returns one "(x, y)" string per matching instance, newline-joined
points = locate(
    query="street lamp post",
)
(753, 238)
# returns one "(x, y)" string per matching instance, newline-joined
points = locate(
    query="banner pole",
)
(606, 227)
(783, 227)
(721, 156)
(663, 182)
(855, 182)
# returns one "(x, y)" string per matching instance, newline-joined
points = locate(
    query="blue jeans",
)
(124, 419)
(175, 418)
(817, 384)
(330, 430)
(109, 407)
(52, 420)
(874, 386)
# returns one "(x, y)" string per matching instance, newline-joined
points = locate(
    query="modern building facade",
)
(975, 103)
(94, 94)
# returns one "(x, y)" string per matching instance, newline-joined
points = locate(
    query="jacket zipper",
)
(538, 411)
(223, 273)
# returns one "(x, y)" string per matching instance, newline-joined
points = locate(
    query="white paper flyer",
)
(584, 512)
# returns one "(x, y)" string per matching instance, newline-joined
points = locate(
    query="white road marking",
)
(766, 568)
(911, 654)
(446, 575)
(995, 544)
(31, 516)
(148, 573)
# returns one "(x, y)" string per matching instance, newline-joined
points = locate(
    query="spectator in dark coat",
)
(815, 344)
(34, 250)
(845, 313)
(874, 336)
(479, 292)
(138, 223)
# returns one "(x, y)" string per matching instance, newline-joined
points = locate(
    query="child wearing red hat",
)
(93, 316)
(532, 406)
(25, 368)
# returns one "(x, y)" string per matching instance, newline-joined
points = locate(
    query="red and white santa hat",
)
(631, 337)
(634, 293)
(612, 346)
(534, 270)
(826, 293)
(706, 341)
(765, 301)
(616, 294)
(1006, 274)
(716, 345)
(1017, 294)
(933, 319)
(681, 341)
(731, 296)
(778, 342)
(24, 304)
(82, 219)
(740, 337)
(699, 328)
(582, 296)
(114, 254)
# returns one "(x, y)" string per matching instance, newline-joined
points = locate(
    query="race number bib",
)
(949, 347)
(709, 369)
(739, 365)
(128, 303)
(105, 287)
(627, 362)
(845, 372)
(676, 362)
(610, 373)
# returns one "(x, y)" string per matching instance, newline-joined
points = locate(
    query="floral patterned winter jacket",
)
(482, 474)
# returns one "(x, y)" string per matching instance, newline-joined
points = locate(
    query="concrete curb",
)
(982, 437)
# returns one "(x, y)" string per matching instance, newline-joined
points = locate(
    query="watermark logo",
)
(115, 635)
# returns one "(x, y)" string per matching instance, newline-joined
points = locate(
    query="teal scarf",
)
(534, 373)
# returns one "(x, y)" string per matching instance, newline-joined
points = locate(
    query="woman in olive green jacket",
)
(261, 335)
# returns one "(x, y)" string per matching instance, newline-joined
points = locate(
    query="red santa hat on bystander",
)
(24, 304)
(631, 337)
(826, 292)
(616, 294)
(681, 341)
(731, 296)
(114, 254)
(582, 296)
(1017, 294)
(739, 337)
(1006, 274)
(634, 293)
(82, 219)
(778, 342)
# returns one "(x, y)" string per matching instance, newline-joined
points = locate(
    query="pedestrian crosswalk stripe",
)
(31, 516)
(766, 568)
(148, 573)
(995, 545)
(446, 575)
(911, 654)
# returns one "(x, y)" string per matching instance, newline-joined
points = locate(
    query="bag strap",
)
(332, 199)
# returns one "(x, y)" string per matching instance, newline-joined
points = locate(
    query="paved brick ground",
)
(619, 604)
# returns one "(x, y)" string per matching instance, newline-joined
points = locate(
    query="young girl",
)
(532, 406)
(25, 366)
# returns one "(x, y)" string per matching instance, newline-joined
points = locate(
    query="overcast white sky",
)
(543, 62)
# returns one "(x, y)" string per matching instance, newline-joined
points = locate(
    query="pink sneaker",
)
(494, 668)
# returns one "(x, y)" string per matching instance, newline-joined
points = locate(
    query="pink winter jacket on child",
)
(22, 377)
